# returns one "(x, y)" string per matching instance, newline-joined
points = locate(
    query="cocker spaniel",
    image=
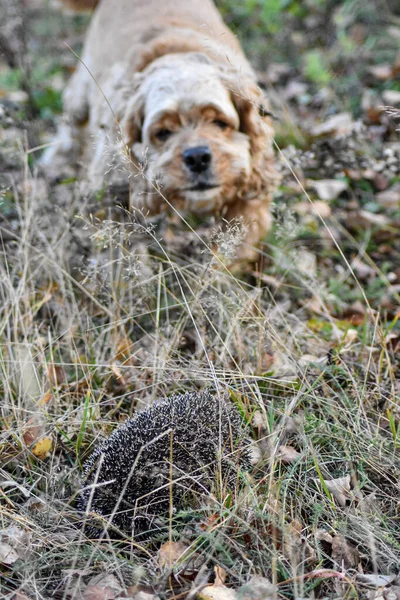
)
(167, 81)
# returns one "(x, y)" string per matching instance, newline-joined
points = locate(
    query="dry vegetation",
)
(102, 313)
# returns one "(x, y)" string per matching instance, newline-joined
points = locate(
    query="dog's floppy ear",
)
(256, 123)
(131, 111)
(131, 118)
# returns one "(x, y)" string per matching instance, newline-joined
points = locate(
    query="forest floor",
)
(100, 318)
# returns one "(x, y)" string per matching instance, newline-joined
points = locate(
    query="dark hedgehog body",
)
(130, 473)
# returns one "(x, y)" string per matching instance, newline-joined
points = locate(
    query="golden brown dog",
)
(167, 80)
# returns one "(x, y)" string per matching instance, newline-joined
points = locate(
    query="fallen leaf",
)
(20, 596)
(339, 488)
(8, 556)
(343, 553)
(42, 448)
(123, 346)
(171, 553)
(321, 208)
(355, 313)
(45, 399)
(56, 375)
(372, 218)
(389, 593)
(376, 580)
(318, 208)
(34, 428)
(382, 72)
(295, 546)
(18, 539)
(323, 536)
(220, 575)
(141, 595)
(339, 124)
(294, 89)
(329, 189)
(217, 591)
(288, 455)
(391, 97)
(361, 269)
(103, 587)
(349, 337)
(389, 198)
(258, 588)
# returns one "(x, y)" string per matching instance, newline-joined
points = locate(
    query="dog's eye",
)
(163, 134)
(221, 124)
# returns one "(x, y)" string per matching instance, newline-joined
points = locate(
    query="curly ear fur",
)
(247, 98)
(131, 115)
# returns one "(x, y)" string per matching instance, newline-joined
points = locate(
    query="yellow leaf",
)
(42, 447)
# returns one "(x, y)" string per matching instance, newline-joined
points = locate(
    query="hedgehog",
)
(163, 460)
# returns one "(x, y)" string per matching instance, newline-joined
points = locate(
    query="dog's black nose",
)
(197, 159)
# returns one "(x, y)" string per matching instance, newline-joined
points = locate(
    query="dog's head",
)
(196, 129)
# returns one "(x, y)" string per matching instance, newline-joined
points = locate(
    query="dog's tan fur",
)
(171, 65)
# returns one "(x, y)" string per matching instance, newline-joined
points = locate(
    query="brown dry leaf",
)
(323, 536)
(321, 209)
(339, 488)
(288, 455)
(258, 588)
(171, 553)
(18, 539)
(349, 337)
(260, 421)
(391, 97)
(340, 124)
(34, 428)
(361, 269)
(388, 593)
(45, 399)
(103, 587)
(217, 591)
(42, 448)
(376, 580)
(389, 198)
(56, 375)
(295, 546)
(343, 553)
(144, 596)
(141, 593)
(118, 375)
(220, 575)
(123, 346)
(329, 189)
(382, 72)
(8, 556)
(294, 89)
(355, 313)
(368, 218)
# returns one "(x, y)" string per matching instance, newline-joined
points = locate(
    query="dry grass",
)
(103, 314)
(142, 321)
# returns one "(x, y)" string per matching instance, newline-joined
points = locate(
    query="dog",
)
(168, 83)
